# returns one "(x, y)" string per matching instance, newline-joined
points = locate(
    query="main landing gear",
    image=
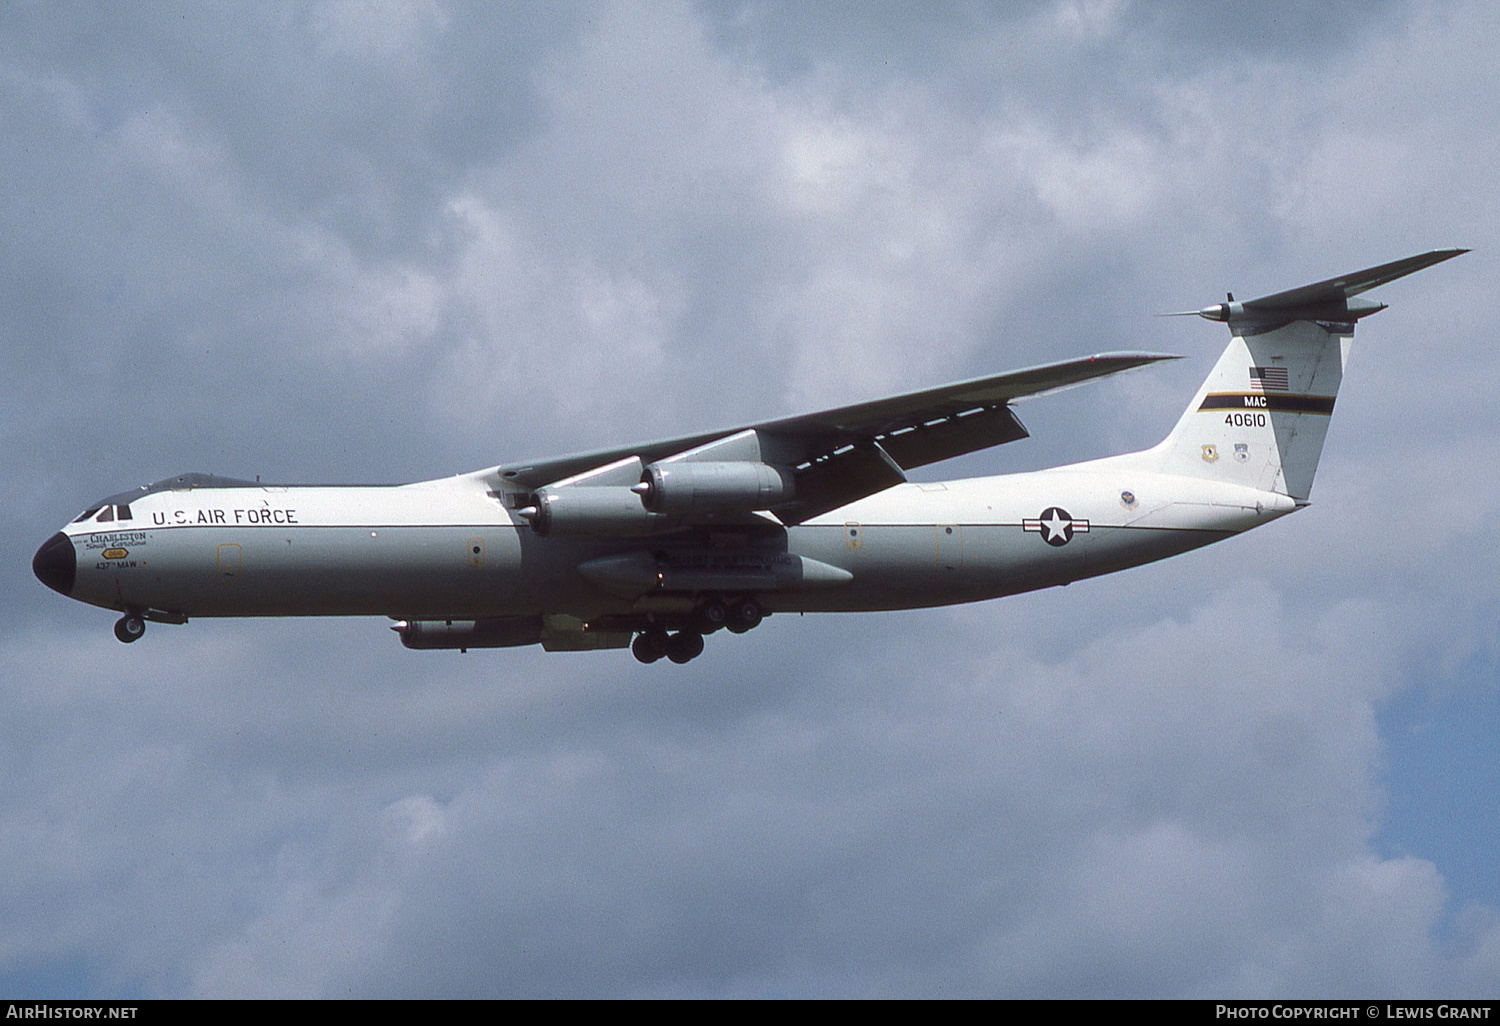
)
(739, 615)
(649, 646)
(130, 627)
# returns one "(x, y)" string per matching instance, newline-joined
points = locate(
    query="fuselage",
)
(452, 548)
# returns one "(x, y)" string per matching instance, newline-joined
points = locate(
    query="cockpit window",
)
(86, 514)
(123, 513)
(106, 515)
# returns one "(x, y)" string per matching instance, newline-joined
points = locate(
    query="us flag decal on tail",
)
(1269, 379)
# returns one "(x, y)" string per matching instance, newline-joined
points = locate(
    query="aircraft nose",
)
(55, 563)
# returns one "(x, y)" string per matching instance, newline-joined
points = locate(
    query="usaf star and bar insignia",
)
(1055, 526)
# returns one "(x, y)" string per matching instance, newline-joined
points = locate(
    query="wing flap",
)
(839, 478)
(942, 439)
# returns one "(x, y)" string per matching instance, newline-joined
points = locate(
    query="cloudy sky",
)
(364, 241)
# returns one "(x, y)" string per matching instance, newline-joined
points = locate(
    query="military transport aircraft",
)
(655, 546)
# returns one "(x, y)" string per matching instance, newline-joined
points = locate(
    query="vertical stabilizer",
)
(1261, 417)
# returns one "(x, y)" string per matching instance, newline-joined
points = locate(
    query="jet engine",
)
(592, 511)
(714, 487)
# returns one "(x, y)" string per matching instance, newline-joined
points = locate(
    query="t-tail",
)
(1261, 416)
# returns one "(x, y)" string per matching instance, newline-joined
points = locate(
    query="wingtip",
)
(1136, 356)
(1437, 256)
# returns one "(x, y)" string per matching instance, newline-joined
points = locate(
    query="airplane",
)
(655, 546)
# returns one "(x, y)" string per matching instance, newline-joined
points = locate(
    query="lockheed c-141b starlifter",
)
(655, 546)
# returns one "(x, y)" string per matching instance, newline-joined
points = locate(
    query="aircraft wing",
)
(846, 453)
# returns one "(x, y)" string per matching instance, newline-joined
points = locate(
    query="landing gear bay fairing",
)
(655, 546)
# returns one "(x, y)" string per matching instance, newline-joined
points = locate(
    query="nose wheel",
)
(130, 627)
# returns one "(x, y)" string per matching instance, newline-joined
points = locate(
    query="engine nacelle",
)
(494, 632)
(593, 511)
(709, 487)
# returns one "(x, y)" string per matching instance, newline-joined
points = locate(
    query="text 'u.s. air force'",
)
(252, 515)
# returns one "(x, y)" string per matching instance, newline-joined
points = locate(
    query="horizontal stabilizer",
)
(1330, 300)
(1347, 286)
